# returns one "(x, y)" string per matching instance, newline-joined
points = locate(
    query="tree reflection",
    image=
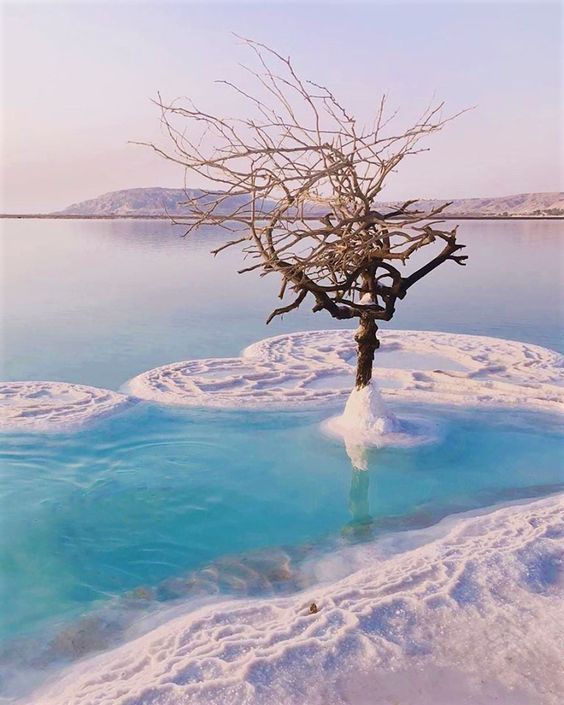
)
(360, 526)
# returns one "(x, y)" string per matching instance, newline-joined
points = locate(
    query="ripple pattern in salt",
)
(54, 406)
(307, 369)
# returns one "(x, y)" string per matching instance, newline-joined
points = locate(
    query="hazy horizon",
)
(180, 188)
(78, 80)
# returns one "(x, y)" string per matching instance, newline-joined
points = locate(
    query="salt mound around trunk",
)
(367, 422)
(367, 416)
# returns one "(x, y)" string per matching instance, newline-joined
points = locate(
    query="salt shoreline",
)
(468, 611)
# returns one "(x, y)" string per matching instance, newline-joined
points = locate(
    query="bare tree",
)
(296, 184)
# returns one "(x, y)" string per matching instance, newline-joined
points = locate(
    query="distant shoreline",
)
(47, 216)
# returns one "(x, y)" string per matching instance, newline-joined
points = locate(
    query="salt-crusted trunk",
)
(367, 344)
(365, 422)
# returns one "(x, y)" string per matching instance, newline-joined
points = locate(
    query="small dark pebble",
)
(313, 608)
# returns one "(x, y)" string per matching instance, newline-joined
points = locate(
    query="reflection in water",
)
(73, 292)
(359, 528)
(358, 454)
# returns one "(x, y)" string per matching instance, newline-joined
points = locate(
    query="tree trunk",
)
(367, 344)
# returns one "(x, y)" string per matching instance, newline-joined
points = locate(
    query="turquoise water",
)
(141, 500)
(153, 493)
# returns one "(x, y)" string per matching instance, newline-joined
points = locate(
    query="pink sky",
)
(78, 78)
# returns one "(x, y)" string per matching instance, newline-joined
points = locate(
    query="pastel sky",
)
(77, 79)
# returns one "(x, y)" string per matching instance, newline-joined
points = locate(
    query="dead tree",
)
(296, 183)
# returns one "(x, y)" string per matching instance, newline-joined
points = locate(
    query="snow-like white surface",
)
(301, 370)
(316, 368)
(54, 406)
(366, 414)
(367, 421)
(471, 616)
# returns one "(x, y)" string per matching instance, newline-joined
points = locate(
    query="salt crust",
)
(472, 616)
(311, 369)
(304, 370)
(308, 370)
(55, 406)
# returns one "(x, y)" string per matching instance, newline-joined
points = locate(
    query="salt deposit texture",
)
(471, 616)
(464, 612)
(315, 368)
(55, 406)
(305, 370)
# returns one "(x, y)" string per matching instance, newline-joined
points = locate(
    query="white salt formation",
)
(312, 369)
(54, 406)
(316, 368)
(368, 422)
(366, 419)
(472, 616)
(366, 414)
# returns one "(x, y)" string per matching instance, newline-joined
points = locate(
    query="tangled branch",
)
(296, 183)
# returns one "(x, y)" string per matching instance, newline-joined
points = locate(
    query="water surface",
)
(154, 502)
(98, 302)
(153, 493)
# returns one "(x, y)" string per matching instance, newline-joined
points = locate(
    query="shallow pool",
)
(153, 494)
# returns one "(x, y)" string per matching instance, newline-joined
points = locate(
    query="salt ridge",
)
(55, 406)
(471, 616)
(307, 370)
(315, 368)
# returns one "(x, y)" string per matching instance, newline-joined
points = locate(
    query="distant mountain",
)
(167, 201)
(520, 204)
(147, 201)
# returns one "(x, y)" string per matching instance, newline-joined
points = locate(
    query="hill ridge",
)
(159, 200)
